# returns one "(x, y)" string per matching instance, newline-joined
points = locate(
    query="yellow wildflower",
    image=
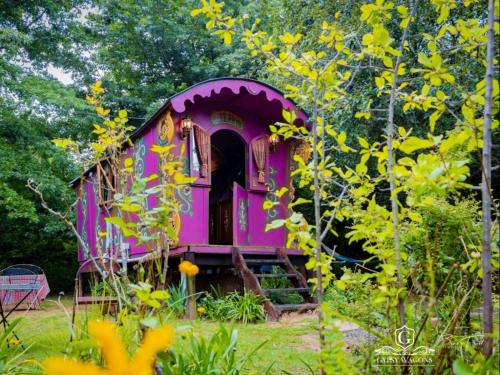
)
(14, 342)
(193, 270)
(188, 268)
(184, 266)
(201, 310)
(115, 354)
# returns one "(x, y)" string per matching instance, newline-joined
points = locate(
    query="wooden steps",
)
(286, 290)
(296, 307)
(259, 262)
(251, 271)
(276, 275)
(90, 300)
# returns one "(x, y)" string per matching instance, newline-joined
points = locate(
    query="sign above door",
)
(226, 118)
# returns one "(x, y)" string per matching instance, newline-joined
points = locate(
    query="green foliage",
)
(354, 300)
(10, 350)
(217, 355)
(450, 233)
(34, 108)
(29, 233)
(177, 299)
(279, 283)
(102, 289)
(245, 308)
(145, 295)
(390, 64)
(332, 355)
(154, 50)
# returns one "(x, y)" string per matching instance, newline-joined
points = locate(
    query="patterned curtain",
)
(202, 147)
(260, 151)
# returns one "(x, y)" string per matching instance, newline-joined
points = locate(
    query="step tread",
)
(87, 300)
(264, 261)
(276, 275)
(286, 290)
(294, 307)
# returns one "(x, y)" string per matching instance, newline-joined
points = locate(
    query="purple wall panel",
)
(79, 226)
(91, 214)
(146, 164)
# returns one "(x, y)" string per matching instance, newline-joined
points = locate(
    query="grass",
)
(46, 333)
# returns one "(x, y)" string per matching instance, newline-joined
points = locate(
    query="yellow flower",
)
(115, 354)
(193, 270)
(184, 266)
(14, 342)
(201, 310)
(188, 268)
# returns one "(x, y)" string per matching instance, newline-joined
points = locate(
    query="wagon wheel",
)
(107, 265)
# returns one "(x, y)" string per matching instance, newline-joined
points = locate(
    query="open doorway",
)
(228, 166)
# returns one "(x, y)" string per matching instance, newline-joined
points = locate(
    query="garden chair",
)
(22, 286)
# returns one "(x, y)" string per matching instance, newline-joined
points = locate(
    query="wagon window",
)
(106, 177)
(195, 163)
(202, 149)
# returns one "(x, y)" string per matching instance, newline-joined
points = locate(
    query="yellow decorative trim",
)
(166, 128)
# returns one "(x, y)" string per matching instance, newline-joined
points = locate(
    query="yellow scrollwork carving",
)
(166, 128)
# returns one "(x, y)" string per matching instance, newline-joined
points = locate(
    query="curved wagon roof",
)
(243, 92)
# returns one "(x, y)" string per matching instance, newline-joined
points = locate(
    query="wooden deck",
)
(227, 249)
(222, 255)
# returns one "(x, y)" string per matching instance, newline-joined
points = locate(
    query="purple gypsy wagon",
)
(224, 124)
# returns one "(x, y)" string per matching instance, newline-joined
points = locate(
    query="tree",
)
(145, 53)
(151, 50)
(33, 109)
(420, 166)
(486, 184)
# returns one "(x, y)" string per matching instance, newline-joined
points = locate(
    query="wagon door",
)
(240, 215)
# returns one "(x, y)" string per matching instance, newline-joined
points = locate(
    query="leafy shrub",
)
(101, 289)
(246, 308)
(215, 308)
(177, 300)
(448, 226)
(201, 356)
(353, 301)
(280, 283)
(276, 282)
(282, 298)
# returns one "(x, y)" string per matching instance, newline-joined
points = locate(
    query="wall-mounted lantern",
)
(274, 140)
(186, 126)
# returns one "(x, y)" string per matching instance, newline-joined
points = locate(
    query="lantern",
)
(186, 126)
(274, 139)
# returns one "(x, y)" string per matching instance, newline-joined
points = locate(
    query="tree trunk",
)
(486, 189)
(317, 222)
(392, 182)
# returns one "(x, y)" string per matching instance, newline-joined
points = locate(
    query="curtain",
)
(202, 147)
(259, 151)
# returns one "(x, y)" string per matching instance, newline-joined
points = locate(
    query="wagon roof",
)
(206, 89)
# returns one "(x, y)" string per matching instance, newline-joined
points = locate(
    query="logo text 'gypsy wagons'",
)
(404, 354)
(226, 118)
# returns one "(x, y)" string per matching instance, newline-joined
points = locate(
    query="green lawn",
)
(46, 332)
